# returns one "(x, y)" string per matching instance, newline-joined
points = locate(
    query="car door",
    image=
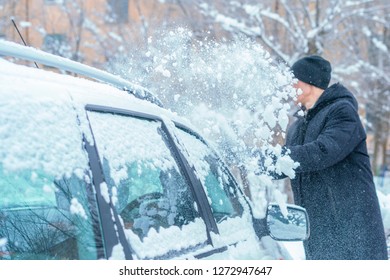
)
(150, 191)
(229, 208)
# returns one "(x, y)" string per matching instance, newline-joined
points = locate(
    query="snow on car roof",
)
(35, 55)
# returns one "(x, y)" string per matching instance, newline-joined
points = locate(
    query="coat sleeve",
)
(341, 134)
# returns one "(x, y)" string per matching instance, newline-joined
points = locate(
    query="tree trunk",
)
(27, 20)
(377, 144)
(385, 141)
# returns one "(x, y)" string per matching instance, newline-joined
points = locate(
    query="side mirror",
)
(290, 226)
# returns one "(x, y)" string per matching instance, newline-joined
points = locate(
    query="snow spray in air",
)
(232, 90)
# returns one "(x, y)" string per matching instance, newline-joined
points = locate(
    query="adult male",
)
(334, 180)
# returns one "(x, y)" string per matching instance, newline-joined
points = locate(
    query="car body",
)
(91, 170)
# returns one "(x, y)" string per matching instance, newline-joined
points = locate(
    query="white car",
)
(100, 170)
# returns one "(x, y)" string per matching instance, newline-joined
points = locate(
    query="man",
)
(334, 180)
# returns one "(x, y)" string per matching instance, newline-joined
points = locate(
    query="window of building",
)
(57, 44)
(53, 2)
(118, 11)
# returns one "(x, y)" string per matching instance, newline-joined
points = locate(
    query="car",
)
(93, 167)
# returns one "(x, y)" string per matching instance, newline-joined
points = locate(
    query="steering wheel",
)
(126, 213)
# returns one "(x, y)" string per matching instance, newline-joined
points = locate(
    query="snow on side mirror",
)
(292, 225)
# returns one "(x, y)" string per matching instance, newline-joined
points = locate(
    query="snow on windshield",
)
(142, 146)
(231, 90)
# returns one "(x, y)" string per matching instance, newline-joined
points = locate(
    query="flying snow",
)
(231, 90)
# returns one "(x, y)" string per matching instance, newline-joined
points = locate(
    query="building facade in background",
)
(89, 31)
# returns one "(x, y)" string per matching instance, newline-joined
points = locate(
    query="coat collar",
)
(332, 94)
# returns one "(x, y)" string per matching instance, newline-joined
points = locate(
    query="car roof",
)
(44, 85)
(31, 54)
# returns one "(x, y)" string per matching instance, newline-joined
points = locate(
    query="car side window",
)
(47, 210)
(46, 218)
(146, 185)
(217, 182)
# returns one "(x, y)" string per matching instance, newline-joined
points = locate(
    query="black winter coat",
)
(334, 181)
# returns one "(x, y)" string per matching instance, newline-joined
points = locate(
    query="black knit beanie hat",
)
(313, 70)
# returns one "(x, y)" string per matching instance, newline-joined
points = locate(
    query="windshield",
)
(215, 178)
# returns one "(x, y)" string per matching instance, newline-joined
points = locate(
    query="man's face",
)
(303, 91)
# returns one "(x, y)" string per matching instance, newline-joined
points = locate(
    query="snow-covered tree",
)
(363, 64)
